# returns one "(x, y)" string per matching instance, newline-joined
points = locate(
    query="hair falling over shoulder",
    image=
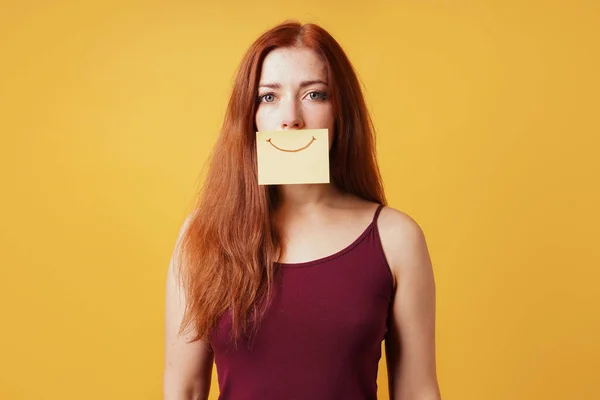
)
(226, 255)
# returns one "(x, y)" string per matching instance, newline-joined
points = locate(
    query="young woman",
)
(291, 289)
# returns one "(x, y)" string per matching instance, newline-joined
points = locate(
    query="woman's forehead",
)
(293, 64)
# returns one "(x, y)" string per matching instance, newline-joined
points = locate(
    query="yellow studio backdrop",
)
(487, 120)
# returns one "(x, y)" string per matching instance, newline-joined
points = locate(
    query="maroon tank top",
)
(321, 337)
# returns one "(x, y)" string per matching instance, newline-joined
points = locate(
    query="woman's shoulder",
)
(393, 221)
(402, 239)
(397, 223)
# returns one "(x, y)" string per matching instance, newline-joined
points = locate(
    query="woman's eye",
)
(317, 95)
(267, 98)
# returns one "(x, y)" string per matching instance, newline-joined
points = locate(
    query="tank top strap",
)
(377, 212)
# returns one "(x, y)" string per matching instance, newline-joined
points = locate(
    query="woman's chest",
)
(308, 243)
(342, 302)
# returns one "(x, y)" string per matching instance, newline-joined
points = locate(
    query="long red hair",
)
(227, 250)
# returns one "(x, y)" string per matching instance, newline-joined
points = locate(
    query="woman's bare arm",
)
(188, 366)
(410, 345)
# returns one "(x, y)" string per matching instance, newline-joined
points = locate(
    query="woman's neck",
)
(307, 197)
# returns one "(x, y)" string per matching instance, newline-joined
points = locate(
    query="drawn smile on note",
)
(295, 150)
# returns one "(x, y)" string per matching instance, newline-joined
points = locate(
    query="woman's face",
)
(293, 92)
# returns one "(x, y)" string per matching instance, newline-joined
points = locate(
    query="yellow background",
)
(487, 118)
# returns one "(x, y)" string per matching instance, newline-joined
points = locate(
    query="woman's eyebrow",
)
(277, 85)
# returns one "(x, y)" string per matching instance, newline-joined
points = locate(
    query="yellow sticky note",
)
(293, 157)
